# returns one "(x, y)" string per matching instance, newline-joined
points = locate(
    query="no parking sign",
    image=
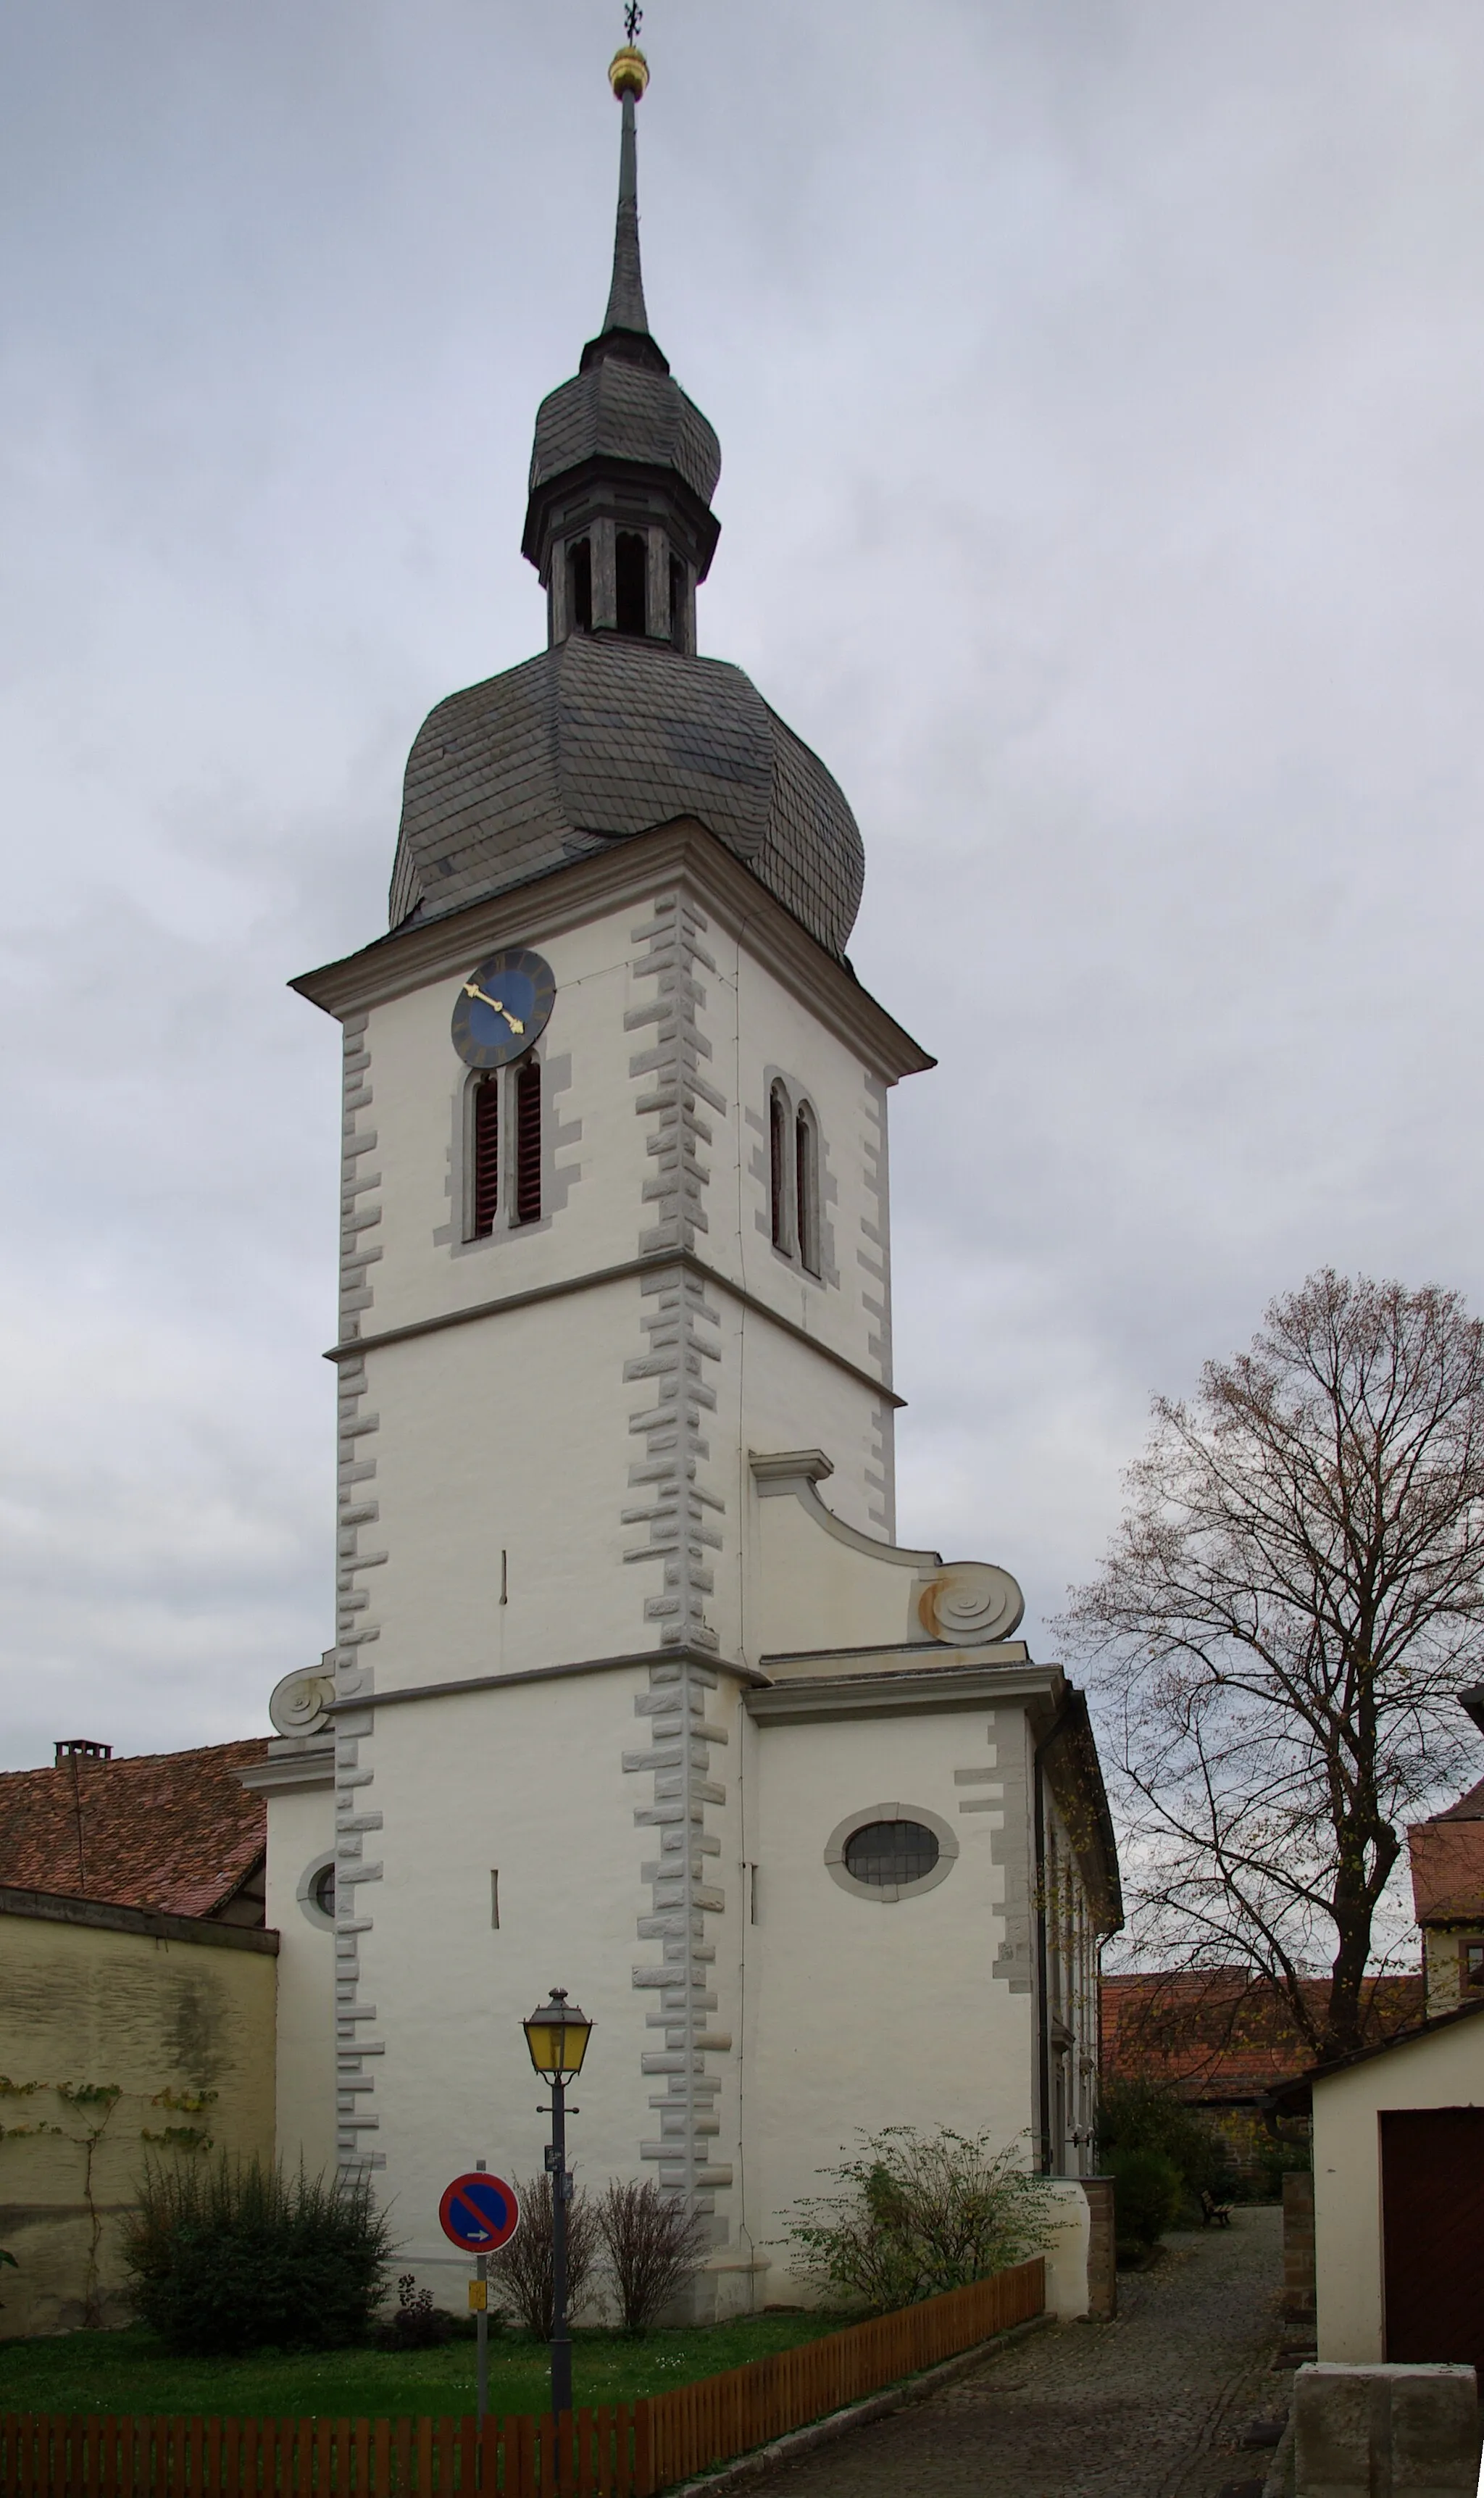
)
(479, 2212)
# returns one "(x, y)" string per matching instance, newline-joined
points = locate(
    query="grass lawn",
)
(132, 2372)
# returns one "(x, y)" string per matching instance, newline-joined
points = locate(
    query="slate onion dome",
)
(619, 726)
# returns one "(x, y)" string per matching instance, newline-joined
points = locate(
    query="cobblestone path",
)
(1150, 2406)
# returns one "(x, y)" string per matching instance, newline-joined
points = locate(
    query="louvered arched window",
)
(503, 1150)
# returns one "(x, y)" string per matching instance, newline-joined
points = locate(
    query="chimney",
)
(77, 1748)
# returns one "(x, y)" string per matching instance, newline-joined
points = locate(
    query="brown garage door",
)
(1433, 2214)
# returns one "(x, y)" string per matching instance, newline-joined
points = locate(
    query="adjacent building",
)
(136, 2004)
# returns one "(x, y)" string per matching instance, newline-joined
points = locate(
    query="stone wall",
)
(1102, 2250)
(128, 2036)
(1299, 2299)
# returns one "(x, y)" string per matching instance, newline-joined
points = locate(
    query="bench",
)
(1213, 2213)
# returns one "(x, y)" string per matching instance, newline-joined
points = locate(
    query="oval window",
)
(890, 1852)
(322, 1890)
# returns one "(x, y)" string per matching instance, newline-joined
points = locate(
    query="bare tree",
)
(522, 2268)
(1292, 1599)
(655, 2244)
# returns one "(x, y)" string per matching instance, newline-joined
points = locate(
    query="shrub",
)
(415, 2323)
(1146, 2198)
(521, 2270)
(653, 2244)
(1146, 2116)
(234, 2256)
(921, 2213)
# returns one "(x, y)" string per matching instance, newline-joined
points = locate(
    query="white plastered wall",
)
(300, 1832)
(510, 1435)
(1445, 2070)
(527, 1781)
(848, 2032)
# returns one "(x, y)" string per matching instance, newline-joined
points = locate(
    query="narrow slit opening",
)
(631, 570)
(580, 584)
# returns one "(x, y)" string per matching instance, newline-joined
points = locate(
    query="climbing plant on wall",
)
(89, 2113)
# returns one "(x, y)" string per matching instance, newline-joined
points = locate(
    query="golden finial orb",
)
(628, 72)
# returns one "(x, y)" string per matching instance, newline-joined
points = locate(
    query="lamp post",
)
(557, 2034)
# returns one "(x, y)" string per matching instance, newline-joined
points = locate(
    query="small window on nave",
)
(806, 1185)
(777, 1169)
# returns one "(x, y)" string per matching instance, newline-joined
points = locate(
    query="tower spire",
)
(626, 330)
(625, 295)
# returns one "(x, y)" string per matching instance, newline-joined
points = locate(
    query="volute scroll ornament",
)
(968, 1603)
(298, 1704)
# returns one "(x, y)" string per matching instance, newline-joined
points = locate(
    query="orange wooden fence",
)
(621, 2450)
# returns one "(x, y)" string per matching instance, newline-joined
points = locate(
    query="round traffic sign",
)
(479, 2212)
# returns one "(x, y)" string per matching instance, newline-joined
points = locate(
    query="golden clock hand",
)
(471, 989)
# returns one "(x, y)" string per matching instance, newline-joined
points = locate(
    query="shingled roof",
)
(620, 727)
(604, 737)
(171, 1831)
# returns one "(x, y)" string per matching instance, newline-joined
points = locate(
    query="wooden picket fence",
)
(620, 2450)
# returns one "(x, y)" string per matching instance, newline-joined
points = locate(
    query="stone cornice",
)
(924, 1692)
(294, 1766)
(61, 1908)
(640, 1662)
(563, 1285)
(627, 873)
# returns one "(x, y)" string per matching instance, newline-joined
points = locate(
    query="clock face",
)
(502, 1008)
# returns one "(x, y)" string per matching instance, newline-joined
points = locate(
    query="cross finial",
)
(633, 19)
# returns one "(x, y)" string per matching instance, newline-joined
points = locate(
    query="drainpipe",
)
(1043, 2017)
(1043, 2011)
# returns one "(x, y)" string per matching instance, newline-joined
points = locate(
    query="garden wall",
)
(123, 2034)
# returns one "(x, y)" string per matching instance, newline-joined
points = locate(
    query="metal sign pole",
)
(561, 2337)
(482, 2336)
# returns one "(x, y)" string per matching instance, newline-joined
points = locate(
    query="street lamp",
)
(557, 2034)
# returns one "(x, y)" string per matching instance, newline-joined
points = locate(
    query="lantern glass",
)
(557, 2034)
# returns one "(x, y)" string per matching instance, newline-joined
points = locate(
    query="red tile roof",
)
(1223, 2036)
(171, 1831)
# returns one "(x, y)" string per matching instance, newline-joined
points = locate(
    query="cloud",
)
(1101, 395)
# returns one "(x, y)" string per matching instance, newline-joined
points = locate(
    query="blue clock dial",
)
(502, 1008)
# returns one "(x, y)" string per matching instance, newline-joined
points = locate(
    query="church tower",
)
(617, 1690)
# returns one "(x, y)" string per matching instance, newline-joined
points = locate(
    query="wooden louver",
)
(486, 1155)
(529, 1142)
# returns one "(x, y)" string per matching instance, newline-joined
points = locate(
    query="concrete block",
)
(1385, 2431)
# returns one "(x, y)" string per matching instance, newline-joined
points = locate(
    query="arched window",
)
(777, 1169)
(579, 585)
(806, 1185)
(631, 581)
(528, 1206)
(485, 1147)
(678, 602)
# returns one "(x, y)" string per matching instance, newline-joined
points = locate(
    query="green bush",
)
(919, 2214)
(1145, 2116)
(234, 2256)
(1147, 2193)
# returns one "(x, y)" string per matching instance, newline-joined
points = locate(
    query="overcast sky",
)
(1101, 395)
